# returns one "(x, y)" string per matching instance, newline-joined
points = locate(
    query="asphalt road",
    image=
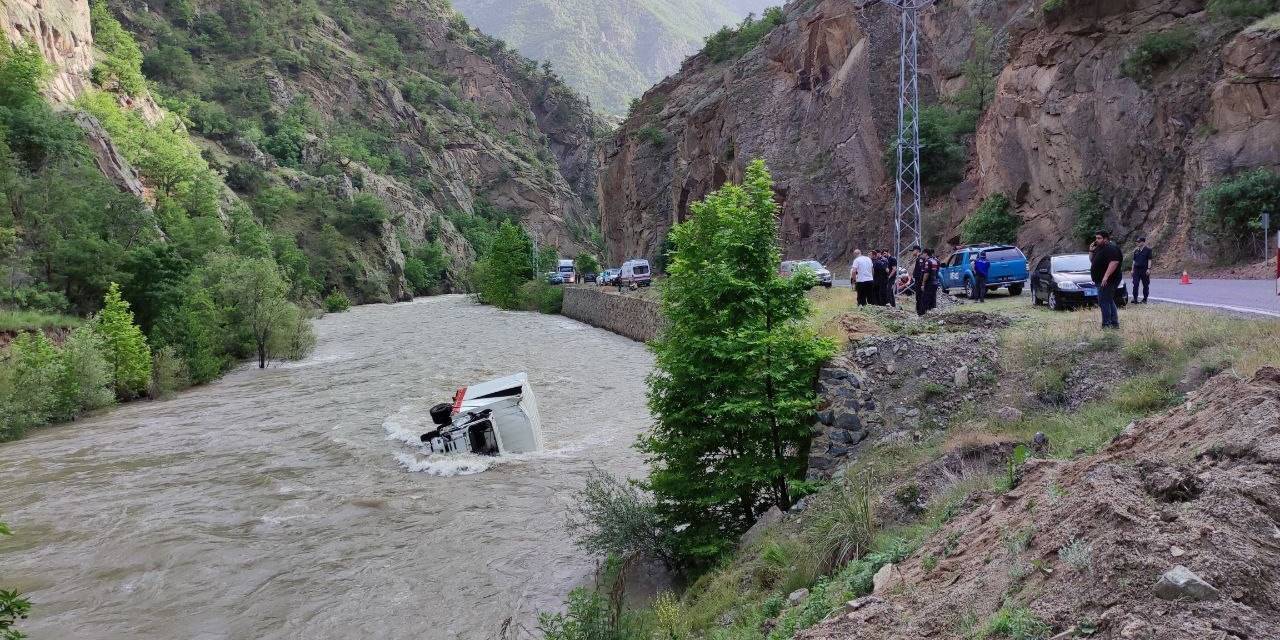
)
(1254, 297)
(1243, 296)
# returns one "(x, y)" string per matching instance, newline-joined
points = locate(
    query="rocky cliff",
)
(816, 99)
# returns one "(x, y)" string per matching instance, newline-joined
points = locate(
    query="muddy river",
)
(294, 503)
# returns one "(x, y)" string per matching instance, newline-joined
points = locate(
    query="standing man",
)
(981, 268)
(891, 265)
(918, 268)
(1105, 270)
(861, 273)
(880, 262)
(931, 284)
(1142, 269)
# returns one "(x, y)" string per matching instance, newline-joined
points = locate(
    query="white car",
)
(788, 268)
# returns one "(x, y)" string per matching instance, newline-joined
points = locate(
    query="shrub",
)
(122, 65)
(943, 150)
(1158, 50)
(1090, 215)
(291, 337)
(1229, 208)
(993, 221)
(1241, 8)
(846, 523)
(13, 607)
(731, 43)
(124, 345)
(336, 302)
(366, 214)
(1051, 6)
(589, 617)
(652, 134)
(84, 381)
(169, 373)
(30, 384)
(1078, 555)
(613, 517)
(1015, 623)
(537, 295)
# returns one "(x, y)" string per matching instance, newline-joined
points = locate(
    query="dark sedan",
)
(1063, 282)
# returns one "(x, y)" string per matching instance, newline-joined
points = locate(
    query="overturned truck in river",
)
(492, 418)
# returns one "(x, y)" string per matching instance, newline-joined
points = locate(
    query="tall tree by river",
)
(733, 392)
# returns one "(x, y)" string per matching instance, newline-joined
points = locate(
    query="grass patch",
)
(1157, 51)
(33, 320)
(1015, 623)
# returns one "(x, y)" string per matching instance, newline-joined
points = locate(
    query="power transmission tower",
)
(906, 205)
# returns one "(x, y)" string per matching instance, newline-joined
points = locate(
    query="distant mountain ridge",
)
(610, 50)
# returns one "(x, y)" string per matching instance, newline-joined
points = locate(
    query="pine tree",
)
(125, 345)
(732, 394)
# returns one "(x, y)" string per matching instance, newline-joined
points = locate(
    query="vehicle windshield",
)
(1064, 264)
(566, 269)
(812, 264)
(640, 269)
(1004, 254)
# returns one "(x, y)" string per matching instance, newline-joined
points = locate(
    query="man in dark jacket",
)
(881, 277)
(1104, 267)
(891, 264)
(981, 269)
(1142, 269)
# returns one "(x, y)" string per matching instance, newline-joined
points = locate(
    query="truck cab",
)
(1008, 269)
(567, 271)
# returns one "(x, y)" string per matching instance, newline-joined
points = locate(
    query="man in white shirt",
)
(862, 275)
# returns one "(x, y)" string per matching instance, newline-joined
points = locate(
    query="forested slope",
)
(364, 151)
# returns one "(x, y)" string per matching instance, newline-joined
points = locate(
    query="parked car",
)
(1008, 269)
(635, 272)
(567, 271)
(589, 276)
(607, 278)
(1064, 282)
(788, 268)
(554, 277)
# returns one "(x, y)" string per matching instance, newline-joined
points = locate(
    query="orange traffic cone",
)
(1186, 278)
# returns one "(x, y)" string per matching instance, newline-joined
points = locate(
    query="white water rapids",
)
(295, 503)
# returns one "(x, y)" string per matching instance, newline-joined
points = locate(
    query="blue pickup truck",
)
(1008, 269)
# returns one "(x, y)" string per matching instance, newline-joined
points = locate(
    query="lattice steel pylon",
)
(907, 207)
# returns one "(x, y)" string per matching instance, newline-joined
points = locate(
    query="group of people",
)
(873, 278)
(876, 280)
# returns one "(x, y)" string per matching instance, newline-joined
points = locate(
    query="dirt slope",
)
(1198, 487)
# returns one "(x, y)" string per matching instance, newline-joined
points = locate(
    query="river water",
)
(291, 502)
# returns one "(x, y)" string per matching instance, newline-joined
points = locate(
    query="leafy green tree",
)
(32, 381)
(84, 376)
(586, 263)
(1230, 208)
(255, 291)
(366, 214)
(425, 266)
(125, 345)
(732, 394)
(122, 65)
(993, 221)
(195, 329)
(1090, 215)
(500, 274)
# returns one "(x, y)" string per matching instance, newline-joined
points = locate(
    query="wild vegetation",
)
(731, 43)
(846, 533)
(1230, 208)
(13, 607)
(993, 221)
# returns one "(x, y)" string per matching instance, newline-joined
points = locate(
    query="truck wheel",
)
(1015, 289)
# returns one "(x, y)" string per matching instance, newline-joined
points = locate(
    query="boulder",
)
(1181, 583)
(847, 421)
(797, 596)
(886, 578)
(766, 520)
(826, 417)
(961, 378)
(1008, 415)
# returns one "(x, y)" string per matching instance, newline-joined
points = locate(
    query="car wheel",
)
(1015, 289)
(968, 288)
(1054, 303)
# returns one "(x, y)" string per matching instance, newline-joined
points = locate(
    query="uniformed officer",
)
(931, 268)
(918, 269)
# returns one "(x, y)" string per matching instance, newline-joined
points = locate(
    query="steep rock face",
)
(809, 100)
(816, 99)
(60, 28)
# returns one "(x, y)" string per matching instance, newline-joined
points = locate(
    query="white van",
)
(567, 271)
(635, 272)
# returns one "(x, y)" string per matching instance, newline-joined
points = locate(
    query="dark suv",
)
(1063, 282)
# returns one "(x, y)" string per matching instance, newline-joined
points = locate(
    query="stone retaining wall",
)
(626, 314)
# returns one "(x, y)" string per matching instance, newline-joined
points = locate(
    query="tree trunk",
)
(262, 354)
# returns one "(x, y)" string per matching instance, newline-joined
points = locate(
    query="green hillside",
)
(611, 50)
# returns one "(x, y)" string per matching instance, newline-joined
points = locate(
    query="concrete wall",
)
(625, 314)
